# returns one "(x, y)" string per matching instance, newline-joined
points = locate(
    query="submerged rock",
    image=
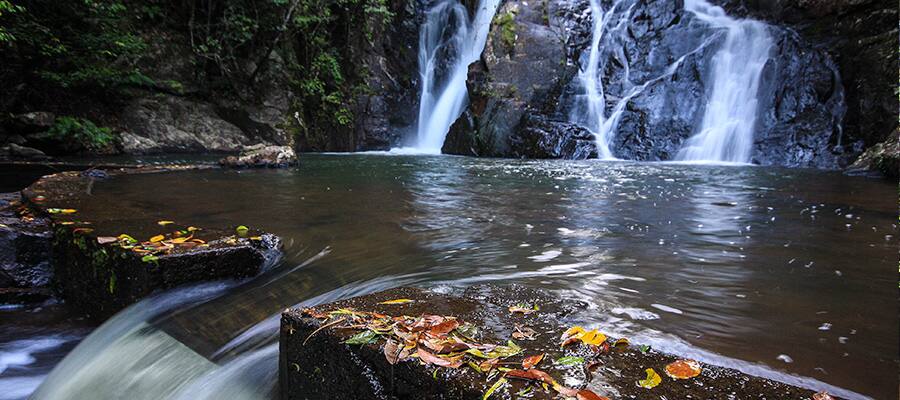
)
(17, 152)
(316, 360)
(262, 156)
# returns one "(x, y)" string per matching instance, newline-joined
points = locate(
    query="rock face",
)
(513, 90)
(656, 61)
(261, 156)
(316, 362)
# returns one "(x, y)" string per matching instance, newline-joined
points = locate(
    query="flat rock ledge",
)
(262, 156)
(101, 271)
(315, 361)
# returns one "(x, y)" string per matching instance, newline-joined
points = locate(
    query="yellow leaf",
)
(621, 342)
(397, 301)
(500, 382)
(179, 240)
(593, 338)
(164, 223)
(192, 228)
(653, 379)
(573, 331)
(157, 238)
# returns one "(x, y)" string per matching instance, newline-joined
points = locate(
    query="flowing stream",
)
(448, 42)
(697, 260)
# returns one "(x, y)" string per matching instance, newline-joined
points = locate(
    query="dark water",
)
(784, 273)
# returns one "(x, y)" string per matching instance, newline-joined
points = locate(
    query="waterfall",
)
(726, 132)
(590, 107)
(447, 40)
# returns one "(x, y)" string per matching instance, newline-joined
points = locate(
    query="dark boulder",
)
(25, 240)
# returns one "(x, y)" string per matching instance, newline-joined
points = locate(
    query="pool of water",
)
(786, 273)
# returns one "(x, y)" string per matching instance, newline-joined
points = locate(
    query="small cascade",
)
(726, 132)
(448, 42)
(590, 107)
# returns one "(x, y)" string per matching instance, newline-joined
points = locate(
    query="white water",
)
(590, 108)
(442, 100)
(726, 132)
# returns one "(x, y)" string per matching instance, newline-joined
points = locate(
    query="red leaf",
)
(531, 374)
(445, 327)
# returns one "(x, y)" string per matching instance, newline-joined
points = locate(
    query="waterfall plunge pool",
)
(787, 273)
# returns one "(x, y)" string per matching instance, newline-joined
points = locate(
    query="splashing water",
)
(726, 133)
(449, 37)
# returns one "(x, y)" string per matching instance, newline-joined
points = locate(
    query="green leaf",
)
(467, 330)
(242, 230)
(570, 360)
(644, 348)
(149, 258)
(364, 337)
(500, 382)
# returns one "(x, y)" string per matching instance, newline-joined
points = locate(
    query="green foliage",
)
(81, 131)
(86, 43)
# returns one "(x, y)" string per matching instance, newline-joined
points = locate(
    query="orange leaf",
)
(588, 395)
(531, 361)
(683, 369)
(822, 396)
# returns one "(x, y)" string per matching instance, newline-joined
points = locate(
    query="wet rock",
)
(522, 70)
(18, 152)
(314, 361)
(882, 158)
(100, 275)
(25, 240)
(262, 156)
(31, 122)
(541, 137)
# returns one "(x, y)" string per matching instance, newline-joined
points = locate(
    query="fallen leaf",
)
(523, 308)
(429, 358)
(569, 360)
(683, 369)
(39, 198)
(651, 381)
(364, 337)
(621, 342)
(61, 210)
(644, 348)
(822, 396)
(392, 351)
(157, 238)
(82, 230)
(533, 374)
(164, 223)
(531, 361)
(149, 258)
(467, 330)
(192, 229)
(588, 395)
(593, 338)
(444, 328)
(241, 230)
(524, 333)
(397, 301)
(106, 239)
(500, 382)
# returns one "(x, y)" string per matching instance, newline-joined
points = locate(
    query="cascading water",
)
(726, 132)
(590, 108)
(448, 37)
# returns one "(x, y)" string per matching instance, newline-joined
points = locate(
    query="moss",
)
(506, 22)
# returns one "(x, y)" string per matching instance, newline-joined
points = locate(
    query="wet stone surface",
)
(316, 363)
(99, 268)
